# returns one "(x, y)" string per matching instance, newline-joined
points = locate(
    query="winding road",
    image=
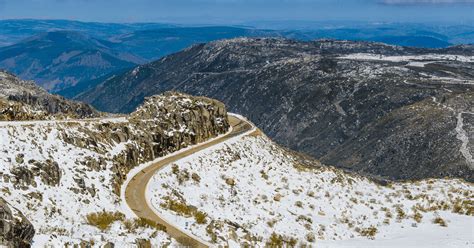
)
(136, 189)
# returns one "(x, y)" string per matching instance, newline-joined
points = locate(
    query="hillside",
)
(24, 100)
(61, 59)
(64, 183)
(250, 192)
(394, 112)
(61, 179)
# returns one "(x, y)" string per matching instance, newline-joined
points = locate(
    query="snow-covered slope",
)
(251, 191)
(60, 173)
(57, 200)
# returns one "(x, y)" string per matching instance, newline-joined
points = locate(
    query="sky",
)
(241, 11)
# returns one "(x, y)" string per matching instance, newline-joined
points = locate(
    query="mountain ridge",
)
(60, 59)
(316, 97)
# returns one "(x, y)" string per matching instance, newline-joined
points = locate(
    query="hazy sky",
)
(235, 11)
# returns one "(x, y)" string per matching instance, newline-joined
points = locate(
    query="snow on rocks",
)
(64, 175)
(251, 192)
(58, 212)
(413, 60)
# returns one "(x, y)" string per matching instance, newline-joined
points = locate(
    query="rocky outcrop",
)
(23, 100)
(15, 229)
(10, 111)
(163, 124)
(48, 171)
(327, 98)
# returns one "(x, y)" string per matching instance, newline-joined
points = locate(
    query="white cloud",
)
(415, 2)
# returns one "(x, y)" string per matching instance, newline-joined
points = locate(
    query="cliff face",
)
(163, 124)
(24, 100)
(16, 230)
(369, 107)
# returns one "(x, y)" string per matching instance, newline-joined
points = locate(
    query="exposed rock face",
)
(48, 171)
(368, 107)
(163, 124)
(15, 229)
(23, 100)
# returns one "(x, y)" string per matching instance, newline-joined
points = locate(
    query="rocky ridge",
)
(58, 173)
(355, 105)
(23, 100)
(163, 124)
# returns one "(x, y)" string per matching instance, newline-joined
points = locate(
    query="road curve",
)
(136, 188)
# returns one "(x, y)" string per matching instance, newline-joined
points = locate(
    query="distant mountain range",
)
(57, 60)
(60, 54)
(156, 43)
(408, 34)
(13, 31)
(395, 112)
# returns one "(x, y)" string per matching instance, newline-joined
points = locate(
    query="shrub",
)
(144, 222)
(277, 240)
(368, 232)
(304, 218)
(196, 177)
(200, 217)
(277, 197)
(272, 222)
(132, 225)
(230, 182)
(178, 207)
(400, 213)
(438, 220)
(310, 237)
(185, 210)
(417, 217)
(103, 220)
(175, 169)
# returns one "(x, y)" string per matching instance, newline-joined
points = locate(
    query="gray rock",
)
(15, 229)
(203, 118)
(24, 100)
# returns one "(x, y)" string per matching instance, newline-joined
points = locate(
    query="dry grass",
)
(418, 217)
(103, 220)
(277, 240)
(369, 232)
(181, 208)
(200, 217)
(178, 207)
